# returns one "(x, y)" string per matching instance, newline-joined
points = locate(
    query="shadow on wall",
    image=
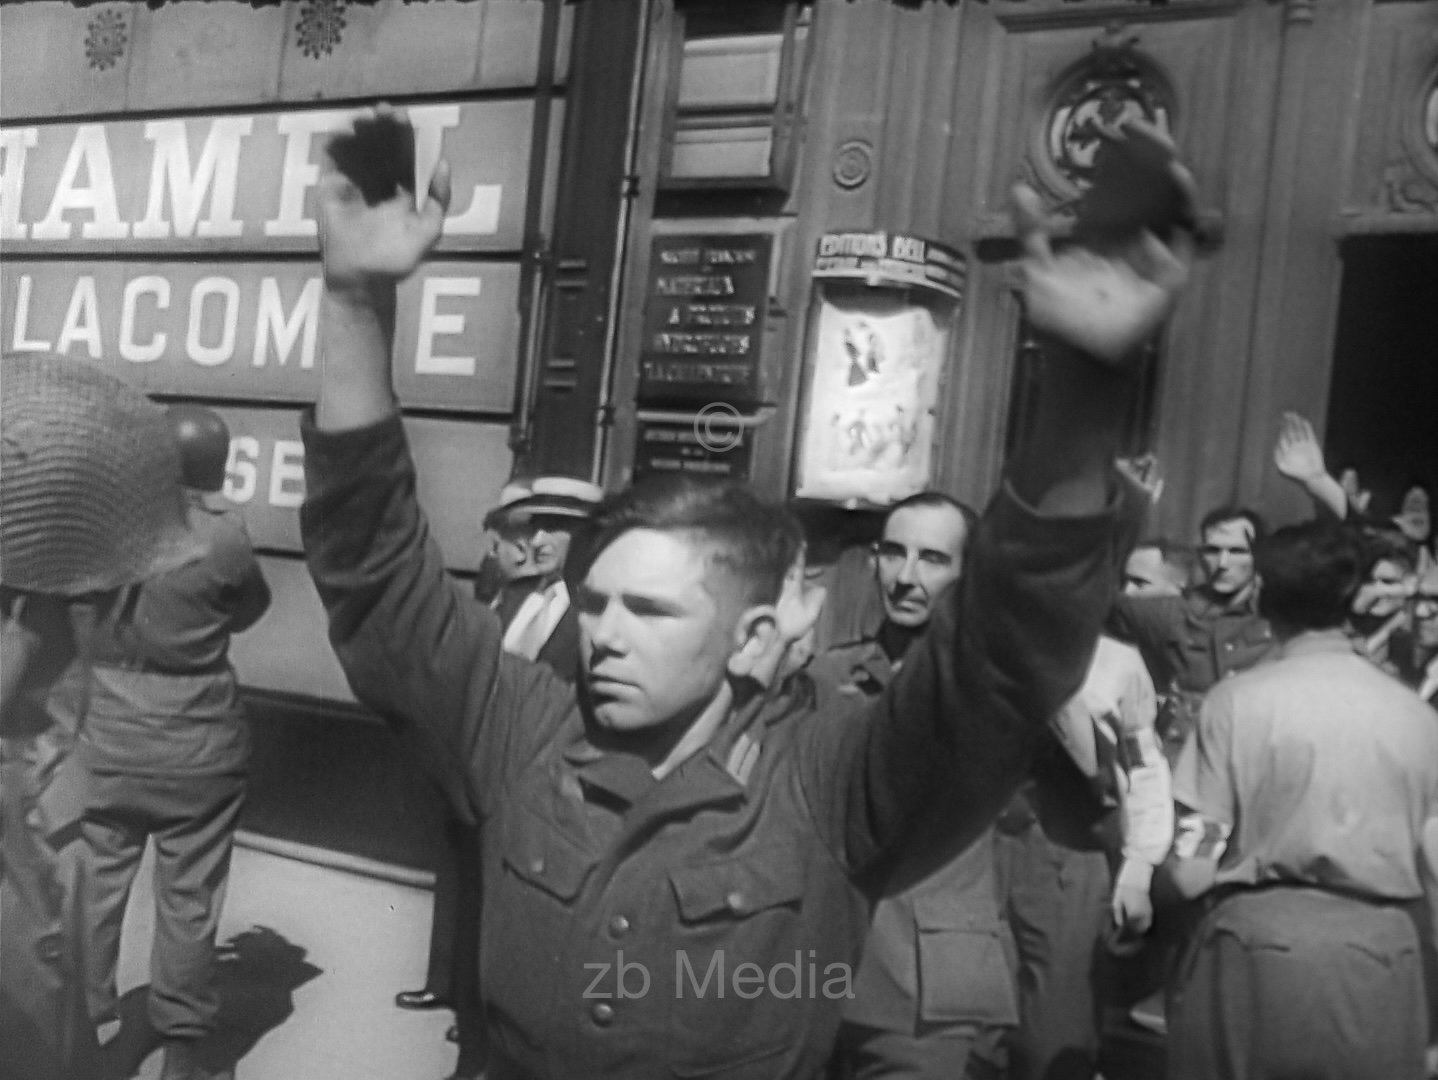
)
(257, 974)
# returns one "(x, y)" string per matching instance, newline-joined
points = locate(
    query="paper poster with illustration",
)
(872, 396)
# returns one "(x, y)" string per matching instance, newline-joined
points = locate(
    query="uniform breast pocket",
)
(965, 974)
(742, 972)
(528, 920)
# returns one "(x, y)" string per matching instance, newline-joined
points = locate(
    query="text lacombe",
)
(748, 980)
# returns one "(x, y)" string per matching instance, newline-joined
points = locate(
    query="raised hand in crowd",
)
(366, 249)
(1299, 456)
(1105, 303)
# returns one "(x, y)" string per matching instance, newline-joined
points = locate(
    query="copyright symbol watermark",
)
(717, 427)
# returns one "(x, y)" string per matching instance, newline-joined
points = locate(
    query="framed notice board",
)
(705, 304)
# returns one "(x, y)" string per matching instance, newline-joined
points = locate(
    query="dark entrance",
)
(1383, 397)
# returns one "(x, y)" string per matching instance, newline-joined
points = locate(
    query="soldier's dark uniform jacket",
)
(1188, 642)
(938, 952)
(604, 889)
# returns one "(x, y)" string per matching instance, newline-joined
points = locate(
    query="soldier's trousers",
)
(1286, 983)
(1058, 910)
(192, 821)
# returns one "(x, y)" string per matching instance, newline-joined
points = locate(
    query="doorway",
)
(1383, 397)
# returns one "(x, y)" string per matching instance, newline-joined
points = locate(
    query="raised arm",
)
(414, 648)
(953, 734)
(1299, 457)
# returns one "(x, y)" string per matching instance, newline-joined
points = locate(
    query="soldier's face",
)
(1227, 555)
(655, 639)
(920, 556)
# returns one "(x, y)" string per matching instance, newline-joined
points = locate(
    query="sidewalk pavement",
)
(307, 982)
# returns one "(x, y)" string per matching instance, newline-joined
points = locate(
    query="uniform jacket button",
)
(735, 901)
(603, 1014)
(536, 865)
(619, 926)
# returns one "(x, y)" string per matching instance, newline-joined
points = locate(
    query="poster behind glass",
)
(877, 350)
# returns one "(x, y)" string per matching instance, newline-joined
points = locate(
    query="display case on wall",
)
(881, 321)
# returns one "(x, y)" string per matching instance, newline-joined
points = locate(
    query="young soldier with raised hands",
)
(674, 849)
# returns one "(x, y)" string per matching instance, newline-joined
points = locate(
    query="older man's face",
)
(919, 557)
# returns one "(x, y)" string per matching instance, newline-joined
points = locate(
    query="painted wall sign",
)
(881, 258)
(248, 330)
(663, 447)
(240, 182)
(704, 318)
(461, 464)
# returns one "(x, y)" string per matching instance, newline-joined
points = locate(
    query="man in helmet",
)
(89, 505)
(165, 749)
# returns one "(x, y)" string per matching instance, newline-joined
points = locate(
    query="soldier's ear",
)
(757, 641)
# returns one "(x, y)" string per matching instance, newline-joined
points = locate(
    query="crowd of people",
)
(1061, 775)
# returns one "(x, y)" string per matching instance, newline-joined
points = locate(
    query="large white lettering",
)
(216, 173)
(82, 319)
(18, 340)
(14, 142)
(432, 324)
(229, 292)
(271, 323)
(287, 474)
(91, 150)
(242, 473)
(130, 349)
(430, 123)
(299, 173)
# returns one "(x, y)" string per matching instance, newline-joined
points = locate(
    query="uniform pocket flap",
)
(740, 886)
(544, 856)
(964, 977)
(941, 912)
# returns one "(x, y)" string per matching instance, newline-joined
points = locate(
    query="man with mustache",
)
(675, 849)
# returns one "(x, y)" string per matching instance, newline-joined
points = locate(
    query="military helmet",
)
(204, 441)
(90, 496)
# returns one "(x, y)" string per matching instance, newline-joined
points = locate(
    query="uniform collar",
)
(720, 770)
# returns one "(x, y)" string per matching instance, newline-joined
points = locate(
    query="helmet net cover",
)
(90, 496)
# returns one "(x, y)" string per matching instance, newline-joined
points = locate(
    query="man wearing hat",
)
(539, 621)
(506, 546)
(166, 752)
(90, 504)
(534, 529)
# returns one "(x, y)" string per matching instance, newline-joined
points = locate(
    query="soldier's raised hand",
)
(1109, 301)
(1107, 304)
(373, 231)
(1297, 453)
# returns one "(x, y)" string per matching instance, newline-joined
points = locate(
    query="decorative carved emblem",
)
(853, 163)
(1409, 183)
(106, 36)
(1115, 83)
(1406, 191)
(320, 27)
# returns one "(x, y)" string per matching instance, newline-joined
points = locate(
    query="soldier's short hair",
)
(752, 541)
